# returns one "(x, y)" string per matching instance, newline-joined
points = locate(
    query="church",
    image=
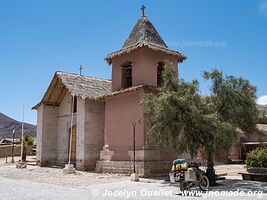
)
(91, 120)
(104, 111)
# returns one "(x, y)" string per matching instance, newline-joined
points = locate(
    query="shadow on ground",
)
(242, 185)
(231, 185)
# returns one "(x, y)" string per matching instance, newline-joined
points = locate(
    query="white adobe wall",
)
(64, 124)
(80, 155)
(47, 125)
(53, 133)
(90, 129)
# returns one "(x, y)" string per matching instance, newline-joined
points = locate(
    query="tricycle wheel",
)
(184, 185)
(204, 183)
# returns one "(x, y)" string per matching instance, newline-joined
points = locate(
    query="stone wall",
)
(6, 150)
(143, 169)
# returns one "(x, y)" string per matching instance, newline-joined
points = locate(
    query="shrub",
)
(257, 158)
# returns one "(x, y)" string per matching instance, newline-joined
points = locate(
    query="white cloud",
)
(263, 7)
(262, 100)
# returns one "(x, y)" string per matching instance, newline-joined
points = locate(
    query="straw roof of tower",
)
(144, 34)
(84, 87)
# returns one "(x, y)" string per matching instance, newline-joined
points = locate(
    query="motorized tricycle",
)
(189, 175)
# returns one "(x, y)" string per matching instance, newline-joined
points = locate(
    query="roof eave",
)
(127, 90)
(111, 56)
(36, 106)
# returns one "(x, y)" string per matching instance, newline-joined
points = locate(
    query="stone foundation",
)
(143, 169)
(46, 163)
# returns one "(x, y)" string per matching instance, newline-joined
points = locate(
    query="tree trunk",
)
(24, 154)
(210, 170)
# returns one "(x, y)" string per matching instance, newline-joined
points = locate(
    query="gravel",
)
(49, 183)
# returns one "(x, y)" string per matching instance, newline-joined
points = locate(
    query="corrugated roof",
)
(144, 34)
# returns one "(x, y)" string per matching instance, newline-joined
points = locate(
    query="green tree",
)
(183, 119)
(27, 142)
(233, 100)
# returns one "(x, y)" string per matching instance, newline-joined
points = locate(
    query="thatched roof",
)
(144, 34)
(130, 89)
(81, 86)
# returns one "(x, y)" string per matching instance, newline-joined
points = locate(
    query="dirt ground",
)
(49, 184)
(56, 176)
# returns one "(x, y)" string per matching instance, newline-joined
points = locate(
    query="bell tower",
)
(141, 59)
(136, 69)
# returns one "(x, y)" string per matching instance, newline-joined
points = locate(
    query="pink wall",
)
(144, 67)
(121, 111)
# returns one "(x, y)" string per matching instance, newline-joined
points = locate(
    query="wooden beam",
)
(51, 104)
(51, 89)
(62, 95)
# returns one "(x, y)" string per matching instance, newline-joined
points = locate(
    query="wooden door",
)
(73, 145)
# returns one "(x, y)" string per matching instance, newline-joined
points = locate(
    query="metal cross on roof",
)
(80, 68)
(143, 10)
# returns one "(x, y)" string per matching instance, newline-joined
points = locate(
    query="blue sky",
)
(39, 37)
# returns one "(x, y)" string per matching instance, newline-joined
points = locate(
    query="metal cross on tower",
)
(81, 68)
(143, 10)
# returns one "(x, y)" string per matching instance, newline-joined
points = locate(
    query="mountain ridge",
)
(7, 124)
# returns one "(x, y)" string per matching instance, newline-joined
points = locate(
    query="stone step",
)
(62, 165)
(57, 167)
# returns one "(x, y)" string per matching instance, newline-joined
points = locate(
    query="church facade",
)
(90, 120)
